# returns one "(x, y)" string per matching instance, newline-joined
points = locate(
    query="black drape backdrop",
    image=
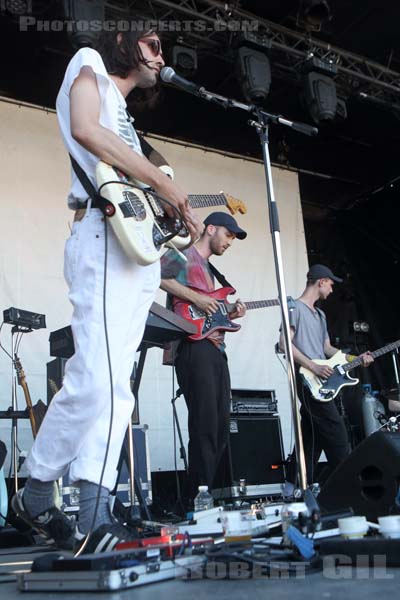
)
(363, 245)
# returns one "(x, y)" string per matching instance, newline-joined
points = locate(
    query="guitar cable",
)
(91, 529)
(180, 218)
(148, 191)
(307, 405)
(88, 535)
(179, 501)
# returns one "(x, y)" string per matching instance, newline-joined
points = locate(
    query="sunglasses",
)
(154, 46)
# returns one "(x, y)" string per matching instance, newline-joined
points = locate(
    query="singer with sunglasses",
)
(85, 424)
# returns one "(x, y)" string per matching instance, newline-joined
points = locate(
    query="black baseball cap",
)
(321, 272)
(221, 218)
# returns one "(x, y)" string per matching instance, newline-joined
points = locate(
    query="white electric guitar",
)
(138, 218)
(325, 390)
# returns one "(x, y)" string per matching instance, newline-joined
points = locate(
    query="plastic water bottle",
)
(285, 521)
(203, 500)
(371, 407)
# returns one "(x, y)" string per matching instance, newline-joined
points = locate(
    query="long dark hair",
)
(120, 57)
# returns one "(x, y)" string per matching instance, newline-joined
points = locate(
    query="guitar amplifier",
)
(62, 342)
(257, 402)
(55, 375)
(257, 452)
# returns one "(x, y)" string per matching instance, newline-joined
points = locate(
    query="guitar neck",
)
(205, 200)
(380, 352)
(255, 304)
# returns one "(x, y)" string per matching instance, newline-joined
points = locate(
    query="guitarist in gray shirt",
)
(322, 426)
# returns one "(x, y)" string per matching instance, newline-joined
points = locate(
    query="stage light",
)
(254, 74)
(17, 7)
(184, 60)
(364, 327)
(320, 89)
(84, 16)
(312, 13)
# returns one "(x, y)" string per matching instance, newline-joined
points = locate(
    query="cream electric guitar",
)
(325, 390)
(138, 218)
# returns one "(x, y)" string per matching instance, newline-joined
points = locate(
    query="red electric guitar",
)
(206, 324)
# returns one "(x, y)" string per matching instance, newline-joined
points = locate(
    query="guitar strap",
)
(219, 277)
(97, 200)
(322, 323)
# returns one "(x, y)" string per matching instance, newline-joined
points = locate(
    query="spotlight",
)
(361, 326)
(184, 60)
(312, 13)
(17, 7)
(320, 89)
(254, 73)
(83, 15)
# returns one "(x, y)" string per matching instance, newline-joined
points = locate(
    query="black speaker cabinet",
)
(257, 449)
(55, 375)
(368, 480)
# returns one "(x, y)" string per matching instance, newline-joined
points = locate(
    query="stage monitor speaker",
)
(256, 449)
(368, 480)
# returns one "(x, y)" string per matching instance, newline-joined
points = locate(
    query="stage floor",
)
(362, 583)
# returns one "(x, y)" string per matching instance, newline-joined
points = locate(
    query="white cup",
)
(389, 526)
(353, 527)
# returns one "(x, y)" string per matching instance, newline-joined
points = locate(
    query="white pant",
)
(74, 432)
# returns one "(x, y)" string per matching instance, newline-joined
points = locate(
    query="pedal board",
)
(121, 569)
(110, 579)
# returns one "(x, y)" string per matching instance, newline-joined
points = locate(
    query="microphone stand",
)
(261, 124)
(182, 451)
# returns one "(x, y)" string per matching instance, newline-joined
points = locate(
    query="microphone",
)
(168, 75)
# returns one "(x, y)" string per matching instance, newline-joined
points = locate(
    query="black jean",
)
(323, 429)
(203, 375)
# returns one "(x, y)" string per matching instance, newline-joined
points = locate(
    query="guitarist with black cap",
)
(201, 366)
(322, 426)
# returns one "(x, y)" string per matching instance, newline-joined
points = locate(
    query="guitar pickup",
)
(222, 308)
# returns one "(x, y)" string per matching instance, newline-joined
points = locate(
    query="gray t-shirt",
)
(310, 330)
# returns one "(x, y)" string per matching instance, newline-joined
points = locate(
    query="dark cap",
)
(321, 272)
(221, 218)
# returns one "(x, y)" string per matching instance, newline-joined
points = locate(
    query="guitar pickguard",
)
(132, 207)
(196, 313)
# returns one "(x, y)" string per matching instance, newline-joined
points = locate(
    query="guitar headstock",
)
(19, 370)
(235, 205)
